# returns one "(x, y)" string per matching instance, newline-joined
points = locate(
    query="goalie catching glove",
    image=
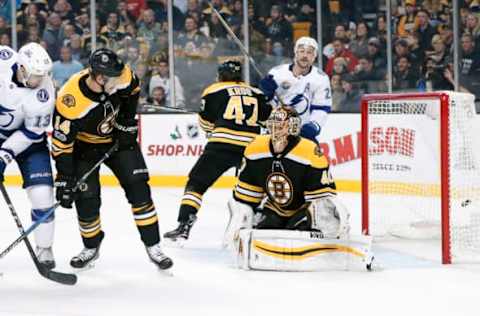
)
(126, 132)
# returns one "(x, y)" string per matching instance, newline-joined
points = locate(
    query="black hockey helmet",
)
(103, 61)
(230, 70)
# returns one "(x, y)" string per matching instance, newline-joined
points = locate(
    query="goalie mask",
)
(283, 121)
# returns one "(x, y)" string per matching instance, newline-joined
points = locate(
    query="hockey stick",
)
(59, 277)
(168, 108)
(240, 45)
(57, 204)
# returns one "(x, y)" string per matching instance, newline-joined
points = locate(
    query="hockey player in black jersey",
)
(231, 113)
(94, 109)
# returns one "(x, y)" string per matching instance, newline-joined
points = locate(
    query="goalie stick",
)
(30, 229)
(59, 277)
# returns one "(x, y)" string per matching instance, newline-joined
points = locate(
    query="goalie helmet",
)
(230, 70)
(283, 121)
(105, 62)
(306, 41)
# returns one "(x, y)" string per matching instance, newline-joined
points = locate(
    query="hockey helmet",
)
(230, 70)
(104, 61)
(283, 121)
(306, 41)
(36, 63)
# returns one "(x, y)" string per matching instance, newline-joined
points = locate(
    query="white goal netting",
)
(422, 158)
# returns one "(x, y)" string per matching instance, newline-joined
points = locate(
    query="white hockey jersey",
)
(25, 113)
(314, 87)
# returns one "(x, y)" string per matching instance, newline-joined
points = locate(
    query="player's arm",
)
(264, 109)
(207, 114)
(247, 189)
(65, 129)
(36, 121)
(269, 86)
(319, 109)
(126, 125)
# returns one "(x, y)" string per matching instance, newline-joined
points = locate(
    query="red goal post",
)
(420, 171)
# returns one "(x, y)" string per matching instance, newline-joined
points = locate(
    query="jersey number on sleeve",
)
(234, 110)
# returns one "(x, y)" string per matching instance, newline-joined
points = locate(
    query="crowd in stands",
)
(354, 36)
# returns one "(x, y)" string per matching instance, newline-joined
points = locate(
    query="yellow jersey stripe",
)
(250, 187)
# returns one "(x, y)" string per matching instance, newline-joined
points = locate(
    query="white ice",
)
(206, 282)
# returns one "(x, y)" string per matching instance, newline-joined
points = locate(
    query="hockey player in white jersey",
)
(27, 98)
(302, 86)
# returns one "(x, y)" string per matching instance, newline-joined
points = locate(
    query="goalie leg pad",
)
(286, 250)
(241, 216)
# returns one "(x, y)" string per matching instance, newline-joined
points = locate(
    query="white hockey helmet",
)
(306, 41)
(35, 61)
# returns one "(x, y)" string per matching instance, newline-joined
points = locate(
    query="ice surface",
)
(205, 281)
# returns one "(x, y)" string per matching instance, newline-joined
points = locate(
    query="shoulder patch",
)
(68, 100)
(5, 54)
(43, 95)
(258, 148)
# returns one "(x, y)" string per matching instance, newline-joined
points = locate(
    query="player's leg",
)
(208, 168)
(34, 164)
(130, 169)
(87, 205)
(268, 219)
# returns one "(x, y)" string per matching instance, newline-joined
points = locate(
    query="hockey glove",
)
(268, 86)
(6, 157)
(311, 131)
(126, 131)
(64, 190)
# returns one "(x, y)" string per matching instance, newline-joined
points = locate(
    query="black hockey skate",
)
(182, 232)
(85, 257)
(45, 256)
(157, 256)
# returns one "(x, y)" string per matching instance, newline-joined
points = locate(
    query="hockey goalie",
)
(285, 215)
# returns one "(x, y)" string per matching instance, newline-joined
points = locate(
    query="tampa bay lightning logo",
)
(5, 54)
(42, 95)
(6, 118)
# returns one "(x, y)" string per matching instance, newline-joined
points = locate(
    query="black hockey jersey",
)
(232, 113)
(289, 180)
(84, 118)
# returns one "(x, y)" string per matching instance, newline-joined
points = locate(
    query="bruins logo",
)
(280, 188)
(106, 126)
(68, 100)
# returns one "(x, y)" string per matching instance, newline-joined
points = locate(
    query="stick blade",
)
(59, 277)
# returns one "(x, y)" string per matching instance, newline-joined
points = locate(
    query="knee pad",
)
(40, 196)
(138, 193)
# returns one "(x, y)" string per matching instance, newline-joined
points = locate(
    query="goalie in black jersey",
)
(95, 109)
(231, 113)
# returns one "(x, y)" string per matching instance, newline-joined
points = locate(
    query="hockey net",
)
(421, 172)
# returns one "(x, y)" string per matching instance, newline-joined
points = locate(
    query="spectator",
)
(52, 35)
(406, 22)
(371, 78)
(113, 30)
(82, 22)
(425, 30)
(359, 46)
(381, 30)
(158, 97)
(402, 50)
(159, 7)
(143, 76)
(133, 57)
(150, 29)
(220, 6)
(66, 33)
(161, 78)
(123, 14)
(403, 76)
(472, 26)
(279, 29)
(188, 44)
(337, 92)
(439, 54)
(64, 9)
(64, 68)
(340, 66)
(376, 54)
(75, 45)
(193, 9)
(350, 101)
(341, 51)
(32, 10)
(5, 39)
(470, 65)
